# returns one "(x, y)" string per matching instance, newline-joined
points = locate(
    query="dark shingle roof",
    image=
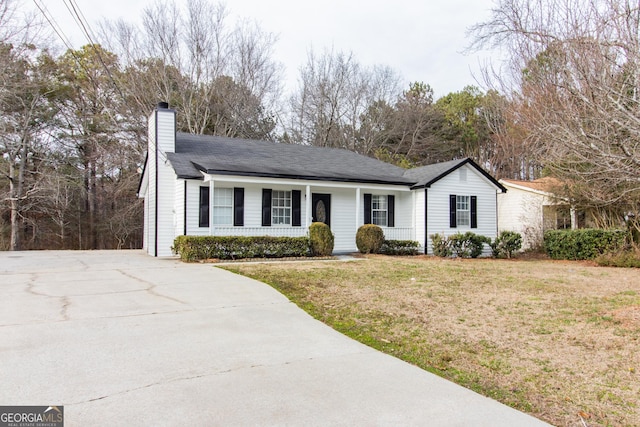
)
(232, 156)
(426, 175)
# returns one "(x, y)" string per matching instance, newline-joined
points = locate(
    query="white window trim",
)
(467, 211)
(385, 210)
(287, 195)
(214, 206)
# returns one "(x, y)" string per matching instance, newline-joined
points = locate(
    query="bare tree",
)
(222, 78)
(339, 103)
(573, 77)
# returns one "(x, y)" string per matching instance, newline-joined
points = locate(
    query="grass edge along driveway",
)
(558, 340)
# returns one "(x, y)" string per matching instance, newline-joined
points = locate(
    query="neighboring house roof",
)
(232, 156)
(425, 176)
(545, 186)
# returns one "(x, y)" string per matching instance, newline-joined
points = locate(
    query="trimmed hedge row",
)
(192, 248)
(400, 247)
(583, 244)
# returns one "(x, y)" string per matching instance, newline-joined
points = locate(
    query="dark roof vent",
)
(163, 105)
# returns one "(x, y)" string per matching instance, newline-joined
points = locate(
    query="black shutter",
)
(453, 221)
(391, 211)
(238, 207)
(266, 207)
(474, 212)
(367, 208)
(296, 217)
(203, 216)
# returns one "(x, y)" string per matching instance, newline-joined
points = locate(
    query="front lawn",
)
(558, 340)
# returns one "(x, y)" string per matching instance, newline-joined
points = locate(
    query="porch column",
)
(574, 218)
(357, 208)
(414, 203)
(211, 188)
(308, 216)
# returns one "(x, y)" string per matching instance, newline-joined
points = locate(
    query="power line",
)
(54, 25)
(80, 19)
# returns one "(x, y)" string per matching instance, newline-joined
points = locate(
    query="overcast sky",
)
(422, 40)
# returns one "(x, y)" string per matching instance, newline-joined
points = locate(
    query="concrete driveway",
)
(121, 338)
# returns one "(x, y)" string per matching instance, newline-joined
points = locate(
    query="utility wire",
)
(88, 32)
(54, 25)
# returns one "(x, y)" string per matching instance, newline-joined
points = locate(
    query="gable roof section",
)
(232, 156)
(426, 176)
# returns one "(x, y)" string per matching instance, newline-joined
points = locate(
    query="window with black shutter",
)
(203, 212)
(238, 207)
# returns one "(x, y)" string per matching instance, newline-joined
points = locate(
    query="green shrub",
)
(506, 244)
(400, 247)
(321, 239)
(440, 245)
(369, 239)
(625, 258)
(467, 245)
(193, 248)
(583, 244)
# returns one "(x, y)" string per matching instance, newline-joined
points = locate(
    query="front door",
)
(321, 208)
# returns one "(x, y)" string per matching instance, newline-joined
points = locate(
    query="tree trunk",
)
(15, 206)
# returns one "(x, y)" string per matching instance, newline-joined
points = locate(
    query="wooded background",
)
(73, 124)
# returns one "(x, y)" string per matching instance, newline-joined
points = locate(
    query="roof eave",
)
(143, 175)
(468, 160)
(306, 177)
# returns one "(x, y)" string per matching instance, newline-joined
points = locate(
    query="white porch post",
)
(574, 218)
(211, 188)
(414, 203)
(308, 215)
(357, 208)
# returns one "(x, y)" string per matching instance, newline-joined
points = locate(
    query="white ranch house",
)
(208, 185)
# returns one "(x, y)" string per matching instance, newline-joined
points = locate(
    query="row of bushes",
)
(193, 248)
(319, 243)
(471, 245)
(607, 247)
(583, 244)
(370, 240)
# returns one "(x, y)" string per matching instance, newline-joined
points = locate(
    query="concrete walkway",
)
(121, 338)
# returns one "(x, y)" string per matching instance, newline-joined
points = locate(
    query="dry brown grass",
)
(558, 340)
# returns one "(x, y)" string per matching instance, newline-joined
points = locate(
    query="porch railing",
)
(398, 233)
(390, 233)
(261, 231)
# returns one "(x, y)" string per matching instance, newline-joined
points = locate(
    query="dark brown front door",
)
(321, 208)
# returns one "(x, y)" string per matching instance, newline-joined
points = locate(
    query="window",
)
(463, 211)
(222, 206)
(203, 214)
(379, 210)
(281, 207)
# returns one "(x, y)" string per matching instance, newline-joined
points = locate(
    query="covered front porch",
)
(295, 204)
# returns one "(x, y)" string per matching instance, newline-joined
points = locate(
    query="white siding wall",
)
(166, 182)
(474, 185)
(150, 199)
(178, 208)
(521, 211)
(343, 218)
